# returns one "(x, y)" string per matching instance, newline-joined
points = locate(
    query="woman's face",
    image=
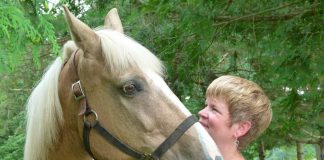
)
(215, 118)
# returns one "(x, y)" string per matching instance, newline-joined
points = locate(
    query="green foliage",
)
(289, 153)
(20, 32)
(279, 45)
(24, 37)
(12, 148)
(15, 27)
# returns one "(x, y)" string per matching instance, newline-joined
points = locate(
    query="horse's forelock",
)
(122, 53)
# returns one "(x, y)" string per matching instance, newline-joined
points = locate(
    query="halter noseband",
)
(93, 123)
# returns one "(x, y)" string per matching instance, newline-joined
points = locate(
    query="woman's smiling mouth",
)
(204, 125)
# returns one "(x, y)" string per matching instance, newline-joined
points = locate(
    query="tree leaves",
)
(19, 33)
(279, 45)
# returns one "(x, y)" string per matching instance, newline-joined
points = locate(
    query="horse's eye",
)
(130, 88)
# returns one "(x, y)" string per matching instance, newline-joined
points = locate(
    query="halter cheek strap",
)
(90, 119)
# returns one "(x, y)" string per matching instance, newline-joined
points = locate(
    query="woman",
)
(237, 111)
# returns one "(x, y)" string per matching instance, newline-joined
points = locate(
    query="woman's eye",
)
(214, 109)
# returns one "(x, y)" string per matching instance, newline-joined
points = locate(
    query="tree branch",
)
(312, 135)
(312, 141)
(223, 58)
(229, 2)
(265, 18)
(233, 70)
(20, 89)
(254, 16)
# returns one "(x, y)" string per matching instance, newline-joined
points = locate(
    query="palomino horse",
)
(118, 107)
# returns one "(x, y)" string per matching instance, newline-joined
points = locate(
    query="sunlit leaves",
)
(47, 30)
(19, 33)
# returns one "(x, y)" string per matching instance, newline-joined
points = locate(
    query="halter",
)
(93, 123)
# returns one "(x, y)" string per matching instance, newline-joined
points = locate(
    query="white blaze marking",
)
(207, 142)
(159, 82)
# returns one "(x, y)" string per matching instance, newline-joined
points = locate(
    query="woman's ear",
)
(243, 128)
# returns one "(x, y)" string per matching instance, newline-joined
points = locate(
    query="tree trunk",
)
(300, 151)
(319, 148)
(261, 151)
(321, 144)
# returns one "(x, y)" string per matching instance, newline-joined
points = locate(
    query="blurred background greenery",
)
(278, 44)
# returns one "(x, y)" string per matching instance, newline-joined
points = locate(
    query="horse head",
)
(117, 89)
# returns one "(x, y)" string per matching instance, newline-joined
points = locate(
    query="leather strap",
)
(86, 138)
(175, 135)
(85, 110)
(95, 124)
(158, 152)
(116, 142)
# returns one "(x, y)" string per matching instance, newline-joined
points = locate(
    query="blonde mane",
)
(44, 114)
(123, 53)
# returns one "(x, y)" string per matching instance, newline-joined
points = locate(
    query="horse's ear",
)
(112, 21)
(83, 36)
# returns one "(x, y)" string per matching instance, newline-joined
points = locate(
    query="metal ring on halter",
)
(91, 123)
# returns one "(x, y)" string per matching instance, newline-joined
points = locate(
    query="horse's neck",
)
(69, 145)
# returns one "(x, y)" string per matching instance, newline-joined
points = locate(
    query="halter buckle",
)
(77, 90)
(147, 156)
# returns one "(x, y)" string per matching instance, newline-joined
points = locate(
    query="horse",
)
(106, 98)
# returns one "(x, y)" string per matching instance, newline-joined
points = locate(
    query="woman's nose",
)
(202, 113)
